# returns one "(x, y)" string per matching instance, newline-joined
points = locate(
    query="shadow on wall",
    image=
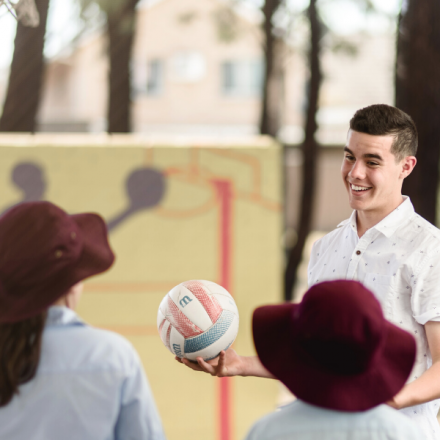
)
(29, 178)
(145, 188)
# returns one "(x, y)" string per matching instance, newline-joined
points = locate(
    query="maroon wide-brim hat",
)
(43, 253)
(335, 349)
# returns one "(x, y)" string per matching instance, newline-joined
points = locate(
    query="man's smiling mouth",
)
(359, 188)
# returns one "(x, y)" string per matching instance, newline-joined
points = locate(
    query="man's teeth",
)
(359, 188)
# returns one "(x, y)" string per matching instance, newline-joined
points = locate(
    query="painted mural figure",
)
(29, 178)
(145, 188)
(386, 246)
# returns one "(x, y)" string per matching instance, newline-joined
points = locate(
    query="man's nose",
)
(357, 171)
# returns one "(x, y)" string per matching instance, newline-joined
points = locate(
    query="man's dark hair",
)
(384, 120)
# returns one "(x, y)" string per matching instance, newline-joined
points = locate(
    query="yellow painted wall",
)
(177, 239)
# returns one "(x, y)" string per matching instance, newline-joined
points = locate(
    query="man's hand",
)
(228, 363)
(392, 403)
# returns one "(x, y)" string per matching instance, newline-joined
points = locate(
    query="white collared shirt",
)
(399, 260)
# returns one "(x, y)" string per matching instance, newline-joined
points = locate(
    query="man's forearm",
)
(424, 389)
(253, 367)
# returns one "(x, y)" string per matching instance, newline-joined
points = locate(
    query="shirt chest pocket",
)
(382, 287)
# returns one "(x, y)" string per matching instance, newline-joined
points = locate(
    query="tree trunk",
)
(25, 77)
(310, 153)
(418, 94)
(268, 120)
(120, 31)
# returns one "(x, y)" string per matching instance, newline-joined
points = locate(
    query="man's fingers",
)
(216, 369)
(221, 369)
(207, 368)
(192, 365)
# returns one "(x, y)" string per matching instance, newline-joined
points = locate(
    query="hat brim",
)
(282, 355)
(96, 257)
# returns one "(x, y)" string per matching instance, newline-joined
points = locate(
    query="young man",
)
(336, 352)
(386, 246)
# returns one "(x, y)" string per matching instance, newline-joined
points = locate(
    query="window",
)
(242, 78)
(188, 67)
(154, 77)
(147, 77)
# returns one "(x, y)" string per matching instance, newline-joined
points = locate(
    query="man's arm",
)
(229, 363)
(427, 386)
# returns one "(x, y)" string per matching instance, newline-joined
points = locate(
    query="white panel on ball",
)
(160, 317)
(215, 288)
(227, 303)
(164, 330)
(190, 307)
(177, 343)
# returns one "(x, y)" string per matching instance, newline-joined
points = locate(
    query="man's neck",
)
(367, 219)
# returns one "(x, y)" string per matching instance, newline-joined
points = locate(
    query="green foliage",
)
(343, 46)
(187, 17)
(109, 7)
(227, 24)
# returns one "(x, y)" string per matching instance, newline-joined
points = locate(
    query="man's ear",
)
(408, 163)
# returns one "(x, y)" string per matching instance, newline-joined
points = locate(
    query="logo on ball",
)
(185, 300)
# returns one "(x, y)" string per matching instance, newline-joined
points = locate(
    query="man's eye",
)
(373, 164)
(349, 157)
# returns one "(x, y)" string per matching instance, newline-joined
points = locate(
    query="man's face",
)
(372, 175)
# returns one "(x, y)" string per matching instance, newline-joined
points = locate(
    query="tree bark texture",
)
(26, 75)
(120, 31)
(268, 120)
(310, 153)
(418, 94)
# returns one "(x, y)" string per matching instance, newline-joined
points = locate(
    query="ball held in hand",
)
(197, 318)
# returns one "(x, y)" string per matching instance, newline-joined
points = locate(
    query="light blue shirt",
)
(89, 385)
(301, 421)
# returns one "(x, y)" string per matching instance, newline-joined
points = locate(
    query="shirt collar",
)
(390, 223)
(352, 222)
(393, 220)
(60, 315)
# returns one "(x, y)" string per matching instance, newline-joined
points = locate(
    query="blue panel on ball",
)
(211, 335)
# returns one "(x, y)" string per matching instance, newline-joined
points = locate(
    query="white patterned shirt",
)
(399, 260)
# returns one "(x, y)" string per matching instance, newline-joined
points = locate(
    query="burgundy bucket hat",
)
(335, 349)
(43, 252)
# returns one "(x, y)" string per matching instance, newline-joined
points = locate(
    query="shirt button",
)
(358, 252)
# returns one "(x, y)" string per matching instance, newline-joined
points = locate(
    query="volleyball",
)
(197, 318)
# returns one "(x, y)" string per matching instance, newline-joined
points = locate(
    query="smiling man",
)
(386, 246)
(389, 248)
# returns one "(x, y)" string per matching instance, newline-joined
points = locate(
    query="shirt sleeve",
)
(138, 416)
(312, 262)
(425, 297)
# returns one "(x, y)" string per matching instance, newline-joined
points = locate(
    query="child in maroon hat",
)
(59, 378)
(342, 360)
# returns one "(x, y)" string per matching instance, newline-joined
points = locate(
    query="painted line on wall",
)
(121, 287)
(224, 192)
(132, 330)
